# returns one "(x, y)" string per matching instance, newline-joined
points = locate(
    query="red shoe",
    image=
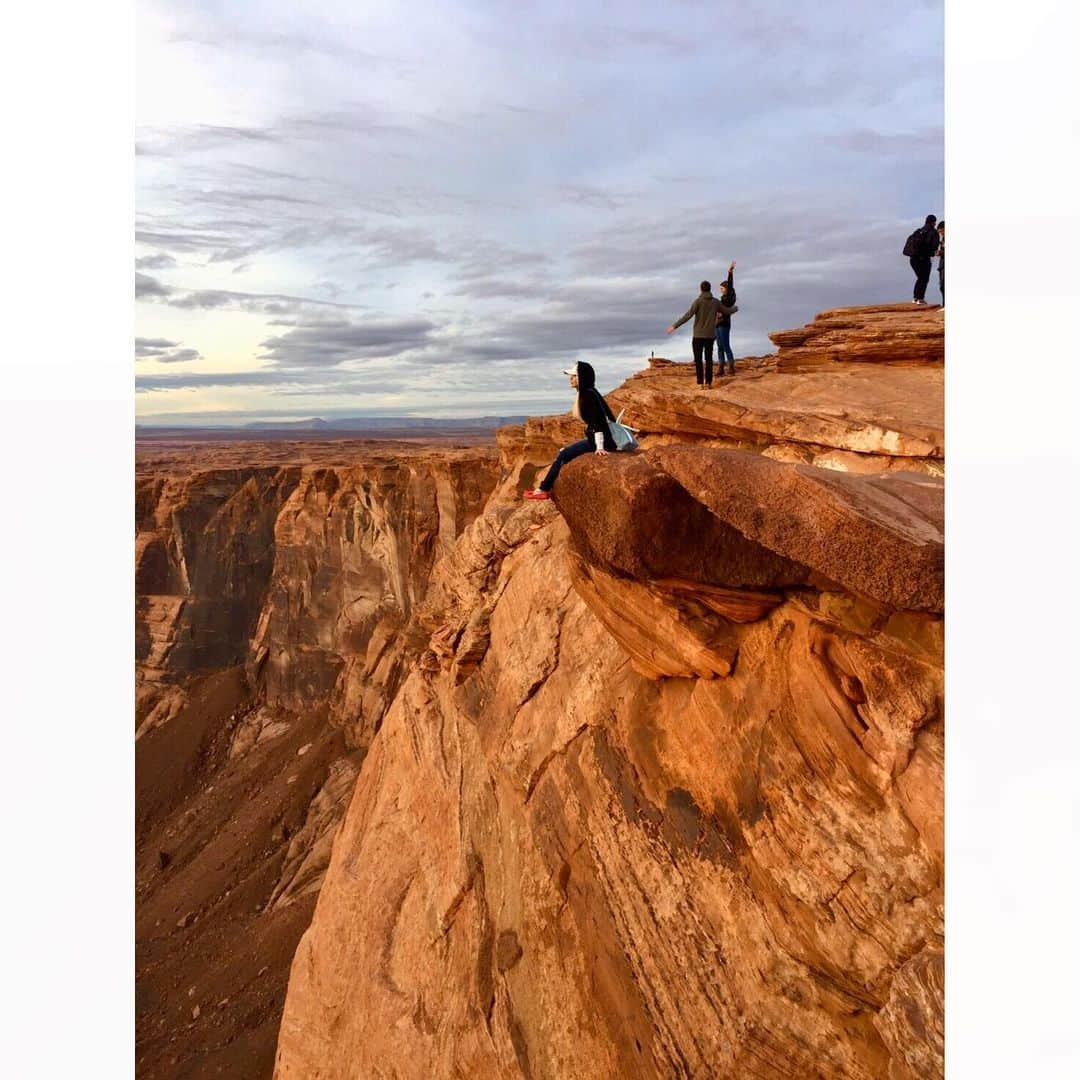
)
(536, 494)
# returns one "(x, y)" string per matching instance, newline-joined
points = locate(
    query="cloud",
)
(180, 356)
(503, 195)
(330, 342)
(198, 138)
(275, 304)
(866, 141)
(160, 261)
(237, 227)
(280, 382)
(147, 287)
(163, 351)
(203, 379)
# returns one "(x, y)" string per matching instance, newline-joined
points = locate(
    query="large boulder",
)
(879, 536)
(631, 516)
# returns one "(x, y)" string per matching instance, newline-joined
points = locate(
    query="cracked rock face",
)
(663, 796)
(274, 606)
(644, 782)
(714, 874)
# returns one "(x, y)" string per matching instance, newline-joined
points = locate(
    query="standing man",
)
(921, 247)
(703, 311)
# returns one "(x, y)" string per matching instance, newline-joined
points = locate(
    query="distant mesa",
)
(314, 424)
(379, 424)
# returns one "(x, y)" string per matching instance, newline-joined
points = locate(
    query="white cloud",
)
(504, 192)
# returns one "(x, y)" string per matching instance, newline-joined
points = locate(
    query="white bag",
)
(622, 433)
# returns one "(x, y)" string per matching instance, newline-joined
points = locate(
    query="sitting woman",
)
(592, 410)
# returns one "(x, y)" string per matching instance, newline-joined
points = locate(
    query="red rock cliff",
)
(662, 795)
(275, 596)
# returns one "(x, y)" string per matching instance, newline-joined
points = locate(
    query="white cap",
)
(570, 371)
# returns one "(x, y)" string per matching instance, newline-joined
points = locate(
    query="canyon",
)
(642, 782)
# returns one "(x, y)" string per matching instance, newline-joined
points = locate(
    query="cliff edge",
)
(661, 793)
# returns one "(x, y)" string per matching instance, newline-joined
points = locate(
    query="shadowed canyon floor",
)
(644, 783)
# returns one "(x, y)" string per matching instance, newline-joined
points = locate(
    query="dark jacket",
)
(723, 318)
(927, 243)
(592, 406)
(703, 311)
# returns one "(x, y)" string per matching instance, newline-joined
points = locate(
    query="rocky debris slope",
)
(663, 794)
(273, 610)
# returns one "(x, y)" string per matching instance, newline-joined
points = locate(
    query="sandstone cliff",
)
(662, 795)
(275, 595)
(643, 784)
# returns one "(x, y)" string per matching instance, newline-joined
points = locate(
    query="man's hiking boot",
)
(536, 495)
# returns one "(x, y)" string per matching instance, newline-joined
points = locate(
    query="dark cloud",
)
(179, 356)
(160, 261)
(147, 287)
(540, 188)
(330, 342)
(163, 351)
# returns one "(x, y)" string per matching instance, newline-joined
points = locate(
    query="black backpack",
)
(913, 244)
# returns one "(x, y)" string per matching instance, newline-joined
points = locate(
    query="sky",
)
(430, 209)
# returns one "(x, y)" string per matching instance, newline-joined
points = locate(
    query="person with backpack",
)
(723, 321)
(941, 261)
(920, 248)
(703, 311)
(593, 411)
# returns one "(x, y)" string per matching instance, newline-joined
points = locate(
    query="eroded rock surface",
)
(643, 783)
(662, 795)
(886, 334)
(273, 611)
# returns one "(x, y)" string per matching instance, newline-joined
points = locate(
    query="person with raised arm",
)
(723, 321)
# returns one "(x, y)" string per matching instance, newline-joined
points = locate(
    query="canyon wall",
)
(644, 782)
(662, 795)
(274, 610)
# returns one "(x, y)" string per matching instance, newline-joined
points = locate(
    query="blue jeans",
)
(723, 346)
(567, 453)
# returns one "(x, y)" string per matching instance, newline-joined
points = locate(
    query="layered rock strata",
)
(274, 606)
(662, 795)
(887, 334)
(884, 413)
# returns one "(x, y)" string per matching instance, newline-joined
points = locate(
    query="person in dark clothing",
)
(926, 245)
(941, 260)
(593, 411)
(723, 321)
(703, 311)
